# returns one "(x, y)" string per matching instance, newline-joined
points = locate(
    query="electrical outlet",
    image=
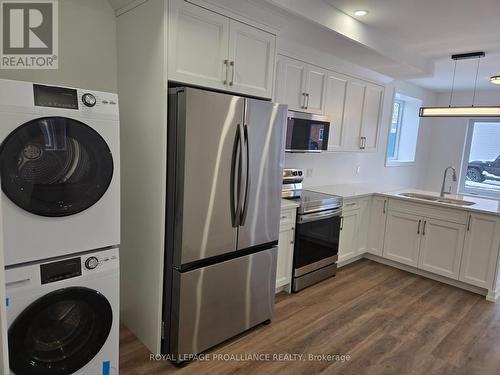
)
(309, 172)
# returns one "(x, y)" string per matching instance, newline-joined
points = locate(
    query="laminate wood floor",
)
(387, 320)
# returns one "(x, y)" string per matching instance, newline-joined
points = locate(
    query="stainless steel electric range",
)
(317, 231)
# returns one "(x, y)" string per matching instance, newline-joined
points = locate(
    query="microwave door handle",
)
(236, 179)
(247, 174)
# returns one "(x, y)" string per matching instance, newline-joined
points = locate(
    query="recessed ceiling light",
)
(361, 13)
(495, 80)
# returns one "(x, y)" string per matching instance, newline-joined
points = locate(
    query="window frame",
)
(398, 129)
(395, 162)
(462, 189)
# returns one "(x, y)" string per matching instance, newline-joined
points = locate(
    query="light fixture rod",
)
(475, 82)
(453, 82)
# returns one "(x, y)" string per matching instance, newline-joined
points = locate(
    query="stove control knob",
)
(89, 100)
(91, 263)
(294, 173)
(300, 173)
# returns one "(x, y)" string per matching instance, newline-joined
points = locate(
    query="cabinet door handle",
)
(385, 207)
(418, 229)
(341, 223)
(307, 100)
(226, 63)
(303, 100)
(232, 73)
(423, 231)
(468, 222)
(362, 142)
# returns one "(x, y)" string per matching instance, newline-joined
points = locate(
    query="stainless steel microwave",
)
(306, 132)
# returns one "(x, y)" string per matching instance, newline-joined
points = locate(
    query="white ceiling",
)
(436, 29)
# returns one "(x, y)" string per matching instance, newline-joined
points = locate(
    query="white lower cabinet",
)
(285, 250)
(348, 244)
(441, 247)
(479, 259)
(376, 226)
(402, 237)
(464, 248)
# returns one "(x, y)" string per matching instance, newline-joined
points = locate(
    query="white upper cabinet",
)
(210, 50)
(372, 108)
(198, 42)
(353, 115)
(251, 57)
(300, 85)
(291, 78)
(336, 88)
(353, 105)
(361, 123)
(315, 89)
(441, 247)
(480, 253)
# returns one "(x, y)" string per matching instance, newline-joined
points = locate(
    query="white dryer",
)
(59, 169)
(63, 316)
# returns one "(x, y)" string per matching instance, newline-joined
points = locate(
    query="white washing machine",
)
(60, 170)
(63, 316)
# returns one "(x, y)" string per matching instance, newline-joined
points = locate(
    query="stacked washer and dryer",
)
(60, 176)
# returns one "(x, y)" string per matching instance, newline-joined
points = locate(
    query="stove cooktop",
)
(312, 201)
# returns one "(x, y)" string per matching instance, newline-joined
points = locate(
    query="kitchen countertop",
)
(287, 203)
(482, 205)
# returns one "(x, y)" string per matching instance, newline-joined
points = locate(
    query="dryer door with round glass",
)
(60, 332)
(55, 166)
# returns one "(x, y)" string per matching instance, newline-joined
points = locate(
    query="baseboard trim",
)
(350, 260)
(471, 288)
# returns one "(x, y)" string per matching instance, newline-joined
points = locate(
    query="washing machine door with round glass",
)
(55, 166)
(59, 333)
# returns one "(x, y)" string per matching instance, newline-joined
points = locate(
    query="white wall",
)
(448, 137)
(87, 48)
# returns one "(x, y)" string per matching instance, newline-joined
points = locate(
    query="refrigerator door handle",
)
(236, 174)
(247, 175)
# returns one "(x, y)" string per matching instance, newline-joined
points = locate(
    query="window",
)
(403, 131)
(481, 166)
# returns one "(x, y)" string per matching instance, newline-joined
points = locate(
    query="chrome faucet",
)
(454, 177)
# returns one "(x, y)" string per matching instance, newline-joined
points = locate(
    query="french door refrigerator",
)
(225, 162)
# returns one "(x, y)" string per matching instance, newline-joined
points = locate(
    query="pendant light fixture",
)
(462, 111)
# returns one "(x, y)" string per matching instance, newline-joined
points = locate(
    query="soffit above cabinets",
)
(121, 6)
(256, 13)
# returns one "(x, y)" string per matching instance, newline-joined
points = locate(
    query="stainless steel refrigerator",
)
(225, 162)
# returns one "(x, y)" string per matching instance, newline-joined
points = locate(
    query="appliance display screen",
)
(58, 97)
(60, 270)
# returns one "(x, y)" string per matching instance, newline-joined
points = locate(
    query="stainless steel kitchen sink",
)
(433, 198)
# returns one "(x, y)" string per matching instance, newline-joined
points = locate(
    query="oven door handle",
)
(318, 216)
